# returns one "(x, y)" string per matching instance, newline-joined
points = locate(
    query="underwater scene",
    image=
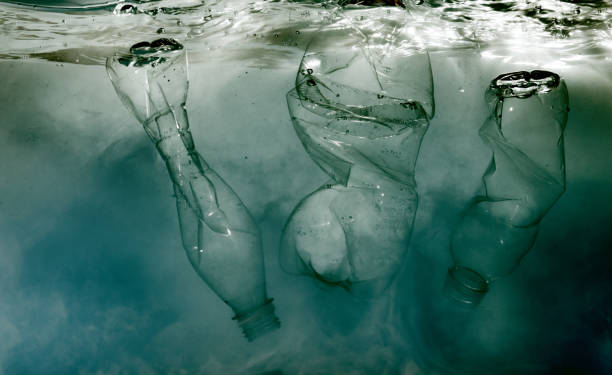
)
(283, 187)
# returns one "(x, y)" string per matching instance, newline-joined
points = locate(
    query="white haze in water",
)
(92, 273)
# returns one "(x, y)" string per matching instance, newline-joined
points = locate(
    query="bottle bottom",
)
(258, 322)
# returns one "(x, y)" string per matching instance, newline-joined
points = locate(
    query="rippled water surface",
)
(565, 30)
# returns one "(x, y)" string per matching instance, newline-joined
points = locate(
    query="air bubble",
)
(523, 84)
(409, 105)
(156, 46)
(125, 9)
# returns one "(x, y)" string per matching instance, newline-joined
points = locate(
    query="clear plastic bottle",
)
(219, 235)
(361, 105)
(525, 178)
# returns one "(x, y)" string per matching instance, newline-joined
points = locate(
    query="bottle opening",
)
(523, 84)
(151, 53)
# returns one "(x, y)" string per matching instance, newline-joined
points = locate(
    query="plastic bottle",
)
(219, 235)
(525, 178)
(361, 105)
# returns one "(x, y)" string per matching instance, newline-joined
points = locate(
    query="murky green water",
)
(94, 278)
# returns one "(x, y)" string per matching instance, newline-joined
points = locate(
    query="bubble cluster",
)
(523, 84)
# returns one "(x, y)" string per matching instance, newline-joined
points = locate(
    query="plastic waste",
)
(525, 177)
(361, 106)
(219, 235)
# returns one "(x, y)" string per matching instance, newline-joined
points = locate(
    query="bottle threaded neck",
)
(258, 322)
(465, 285)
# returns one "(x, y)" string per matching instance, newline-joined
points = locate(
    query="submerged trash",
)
(525, 178)
(361, 115)
(218, 232)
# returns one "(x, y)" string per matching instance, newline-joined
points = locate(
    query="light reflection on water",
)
(564, 32)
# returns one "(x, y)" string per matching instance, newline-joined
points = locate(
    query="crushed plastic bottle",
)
(365, 134)
(525, 178)
(218, 232)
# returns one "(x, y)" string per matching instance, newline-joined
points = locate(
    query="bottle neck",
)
(170, 133)
(258, 322)
(167, 123)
